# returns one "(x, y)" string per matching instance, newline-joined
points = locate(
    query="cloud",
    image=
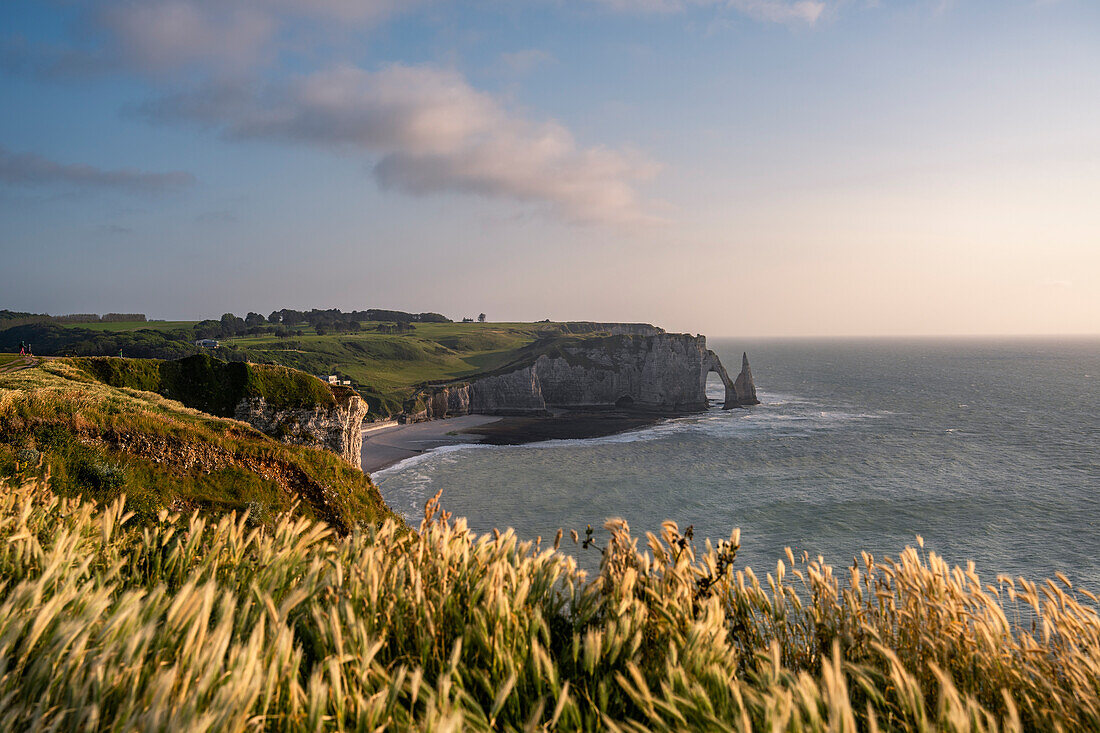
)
(224, 37)
(167, 34)
(430, 132)
(771, 11)
(28, 169)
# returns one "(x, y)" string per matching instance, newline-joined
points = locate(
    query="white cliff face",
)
(516, 393)
(338, 429)
(653, 373)
(662, 373)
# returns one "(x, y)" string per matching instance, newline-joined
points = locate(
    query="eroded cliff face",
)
(653, 373)
(337, 428)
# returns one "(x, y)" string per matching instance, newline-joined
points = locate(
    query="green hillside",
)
(216, 387)
(384, 359)
(60, 419)
(385, 367)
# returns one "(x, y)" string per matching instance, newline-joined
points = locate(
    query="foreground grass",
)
(195, 624)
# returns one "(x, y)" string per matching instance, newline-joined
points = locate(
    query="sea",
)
(989, 449)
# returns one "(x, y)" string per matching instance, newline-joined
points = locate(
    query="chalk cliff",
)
(659, 372)
(338, 427)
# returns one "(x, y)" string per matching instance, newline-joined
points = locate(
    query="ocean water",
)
(989, 449)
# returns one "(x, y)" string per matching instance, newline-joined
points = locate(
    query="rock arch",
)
(739, 393)
(714, 364)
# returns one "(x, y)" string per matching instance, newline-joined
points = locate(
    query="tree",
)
(231, 324)
(254, 319)
(481, 318)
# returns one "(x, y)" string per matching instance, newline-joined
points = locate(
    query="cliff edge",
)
(87, 437)
(655, 373)
(286, 404)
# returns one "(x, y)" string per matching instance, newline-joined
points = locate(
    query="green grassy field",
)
(125, 326)
(384, 367)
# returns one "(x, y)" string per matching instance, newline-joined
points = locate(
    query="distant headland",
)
(418, 366)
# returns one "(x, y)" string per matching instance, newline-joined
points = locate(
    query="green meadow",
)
(384, 367)
(125, 326)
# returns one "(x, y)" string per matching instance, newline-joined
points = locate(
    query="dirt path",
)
(26, 362)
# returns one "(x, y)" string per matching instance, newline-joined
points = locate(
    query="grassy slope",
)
(122, 326)
(103, 441)
(210, 385)
(193, 625)
(385, 366)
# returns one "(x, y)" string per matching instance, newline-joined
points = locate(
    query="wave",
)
(779, 415)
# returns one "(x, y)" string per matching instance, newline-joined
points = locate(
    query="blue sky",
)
(731, 167)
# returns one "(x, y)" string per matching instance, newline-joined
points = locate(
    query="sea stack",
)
(743, 386)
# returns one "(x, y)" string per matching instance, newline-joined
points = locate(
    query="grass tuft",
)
(196, 623)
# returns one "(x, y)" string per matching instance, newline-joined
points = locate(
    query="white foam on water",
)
(782, 415)
(420, 458)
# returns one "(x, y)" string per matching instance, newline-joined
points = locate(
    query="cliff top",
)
(214, 386)
(384, 360)
(578, 350)
(103, 441)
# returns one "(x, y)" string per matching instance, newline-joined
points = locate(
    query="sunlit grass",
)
(193, 623)
(103, 441)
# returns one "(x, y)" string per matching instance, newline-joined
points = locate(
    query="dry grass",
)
(164, 454)
(195, 624)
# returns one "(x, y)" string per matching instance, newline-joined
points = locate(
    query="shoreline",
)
(385, 448)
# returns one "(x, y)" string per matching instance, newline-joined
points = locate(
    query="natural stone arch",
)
(714, 364)
(739, 393)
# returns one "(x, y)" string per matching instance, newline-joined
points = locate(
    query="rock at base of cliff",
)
(743, 386)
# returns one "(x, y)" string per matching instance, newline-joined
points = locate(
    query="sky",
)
(729, 167)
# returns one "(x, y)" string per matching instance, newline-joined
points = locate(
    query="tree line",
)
(288, 322)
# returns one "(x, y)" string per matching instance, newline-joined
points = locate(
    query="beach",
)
(383, 448)
(389, 446)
